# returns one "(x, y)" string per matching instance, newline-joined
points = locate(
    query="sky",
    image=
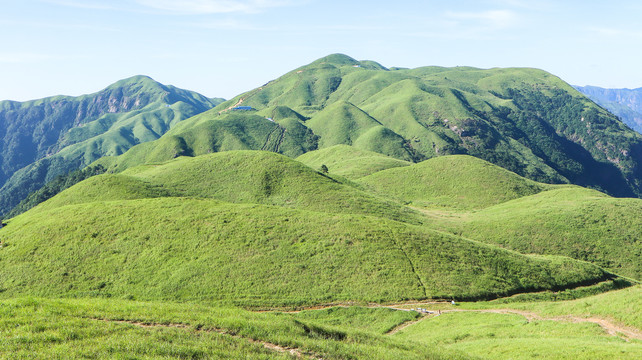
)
(221, 48)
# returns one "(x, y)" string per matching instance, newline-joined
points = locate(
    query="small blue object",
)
(242, 108)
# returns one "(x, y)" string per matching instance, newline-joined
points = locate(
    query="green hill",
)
(201, 249)
(197, 222)
(456, 181)
(572, 221)
(230, 131)
(525, 120)
(254, 177)
(349, 161)
(44, 138)
(344, 123)
(159, 231)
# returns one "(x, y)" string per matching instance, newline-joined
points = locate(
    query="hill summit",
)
(524, 120)
(44, 138)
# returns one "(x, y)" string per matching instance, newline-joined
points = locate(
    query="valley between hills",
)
(342, 211)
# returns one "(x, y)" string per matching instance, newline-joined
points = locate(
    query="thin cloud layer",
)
(210, 6)
(490, 18)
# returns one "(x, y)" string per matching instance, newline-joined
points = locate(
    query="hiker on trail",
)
(453, 302)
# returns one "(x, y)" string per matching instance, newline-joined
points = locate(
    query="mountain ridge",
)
(625, 103)
(525, 120)
(52, 136)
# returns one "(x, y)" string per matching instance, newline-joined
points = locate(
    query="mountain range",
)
(45, 138)
(625, 103)
(372, 198)
(524, 120)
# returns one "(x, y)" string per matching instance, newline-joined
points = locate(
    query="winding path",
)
(268, 345)
(625, 332)
(609, 327)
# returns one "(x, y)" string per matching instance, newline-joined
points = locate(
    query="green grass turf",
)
(198, 249)
(509, 336)
(239, 177)
(101, 329)
(347, 161)
(456, 181)
(623, 306)
(572, 221)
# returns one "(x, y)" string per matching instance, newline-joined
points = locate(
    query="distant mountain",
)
(525, 120)
(625, 103)
(44, 138)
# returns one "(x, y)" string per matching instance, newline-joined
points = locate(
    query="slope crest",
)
(267, 178)
(201, 249)
(570, 221)
(454, 181)
(348, 161)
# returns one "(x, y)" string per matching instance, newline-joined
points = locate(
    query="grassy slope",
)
(623, 306)
(457, 181)
(267, 178)
(502, 336)
(230, 131)
(575, 222)
(344, 160)
(343, 123)
(99, 328)
(178, 248)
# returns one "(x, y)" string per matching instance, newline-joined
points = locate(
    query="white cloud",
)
(21, 58)
(211, 6)
(492, 19)
(540, 5)
(615, 33)
(95, 5)
(230, 24)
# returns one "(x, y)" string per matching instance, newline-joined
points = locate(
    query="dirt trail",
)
(268, 345)
(610, 328)
(404, 325)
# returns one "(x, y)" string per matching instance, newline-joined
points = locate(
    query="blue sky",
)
(223, 47)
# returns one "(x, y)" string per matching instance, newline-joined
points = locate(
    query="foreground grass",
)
(509, 336)
(552, 332)
(108, 328)
(623, 306)
(101, 329)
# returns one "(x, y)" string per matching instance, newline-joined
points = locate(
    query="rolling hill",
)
(342, 182)
(267, 178)
(44, 138)
(347, 161)
(456, 181)
(571, 221)
(525, 120)
(154, 233)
